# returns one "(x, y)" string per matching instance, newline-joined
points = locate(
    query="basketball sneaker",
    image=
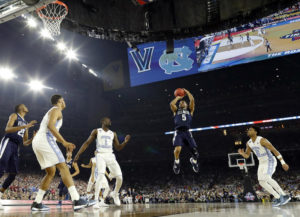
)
(116, 198)
(284, 199)
(195, 165)
(92, 202)
(176, 168)
(276, 202)
(101, 204)
(39, 207)
(79, 204)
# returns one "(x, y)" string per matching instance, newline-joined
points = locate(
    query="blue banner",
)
(151, 63)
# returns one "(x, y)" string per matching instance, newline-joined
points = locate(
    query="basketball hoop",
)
(241, 165)
(52, 15)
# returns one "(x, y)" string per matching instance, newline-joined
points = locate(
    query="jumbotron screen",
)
(273, 36)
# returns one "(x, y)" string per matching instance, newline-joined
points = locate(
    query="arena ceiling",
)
(127, 20)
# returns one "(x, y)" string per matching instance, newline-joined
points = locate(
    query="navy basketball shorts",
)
(9, 158)
(182, 138)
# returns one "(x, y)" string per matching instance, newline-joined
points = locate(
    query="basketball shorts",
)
(266, 168)
(182, 138)
(108, 160)
(9, 158)
(47, 151)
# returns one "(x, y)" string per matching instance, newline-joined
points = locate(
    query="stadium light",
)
(36, 85)
(6, 74)
(93, 73)
(61, 46)
(31, 23)
(46, 34)
(71, 55)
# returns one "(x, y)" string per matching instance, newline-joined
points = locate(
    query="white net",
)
(52, 16)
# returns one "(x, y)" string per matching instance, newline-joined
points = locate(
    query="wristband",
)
(282, 161)
(279, 156)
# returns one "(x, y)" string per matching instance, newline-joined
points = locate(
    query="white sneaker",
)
(102, 203)
(116, 198)
(1, 207)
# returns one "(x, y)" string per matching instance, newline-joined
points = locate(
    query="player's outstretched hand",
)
(69, 146)
(82, 165)
(127, 138)
(31, 124)
(241, 151)
(285, 167)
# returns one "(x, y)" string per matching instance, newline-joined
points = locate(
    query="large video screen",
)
(274, 36)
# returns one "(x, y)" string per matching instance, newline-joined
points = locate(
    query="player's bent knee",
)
(51, 171)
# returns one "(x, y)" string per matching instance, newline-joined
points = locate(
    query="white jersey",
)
(261, 152)
(44, 131)
(104, 142)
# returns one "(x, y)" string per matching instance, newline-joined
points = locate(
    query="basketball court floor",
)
(173, 210)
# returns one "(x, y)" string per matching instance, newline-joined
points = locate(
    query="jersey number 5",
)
(183, 117)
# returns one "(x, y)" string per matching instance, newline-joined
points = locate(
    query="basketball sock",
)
(275, 185)
(119, 182)
(177, 161)
(98, 185)
(73, 192)
(105, 193)
(39, 196)
(269, 188)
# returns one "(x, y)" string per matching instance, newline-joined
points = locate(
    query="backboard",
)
(235, 158)
(11, 9)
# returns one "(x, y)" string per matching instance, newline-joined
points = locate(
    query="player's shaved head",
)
(18, 108)
(106, 122)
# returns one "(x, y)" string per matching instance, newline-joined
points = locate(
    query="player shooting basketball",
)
(183, 117)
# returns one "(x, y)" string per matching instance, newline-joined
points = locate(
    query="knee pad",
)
(10, 178)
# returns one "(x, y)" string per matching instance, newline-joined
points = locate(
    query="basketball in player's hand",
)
(179, 92)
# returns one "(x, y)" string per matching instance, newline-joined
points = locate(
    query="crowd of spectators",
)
(207, 189)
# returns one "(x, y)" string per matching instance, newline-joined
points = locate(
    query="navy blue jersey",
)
(69, 164)
(17, 137)
(183, 119)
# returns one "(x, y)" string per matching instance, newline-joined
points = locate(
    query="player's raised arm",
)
(173, 105)
(87, 166)
(117, 144)
(264, 142)
(86, 144)
(26, 141)
(10, 124)
(192, 101)
(245, 154)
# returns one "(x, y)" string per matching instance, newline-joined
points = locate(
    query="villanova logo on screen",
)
(177, 61)
(143, 62)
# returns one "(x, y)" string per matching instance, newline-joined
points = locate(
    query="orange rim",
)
(52, 18)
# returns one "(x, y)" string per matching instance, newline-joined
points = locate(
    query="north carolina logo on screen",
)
(142, 61)
(295, 35)
(177, 61)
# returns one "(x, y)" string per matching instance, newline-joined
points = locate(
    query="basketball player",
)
(267, 164)
(50, 156)
(183, 117)
(105, 140)
(93, 177)
(268, 46)
(16, 134)
(74, 170)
